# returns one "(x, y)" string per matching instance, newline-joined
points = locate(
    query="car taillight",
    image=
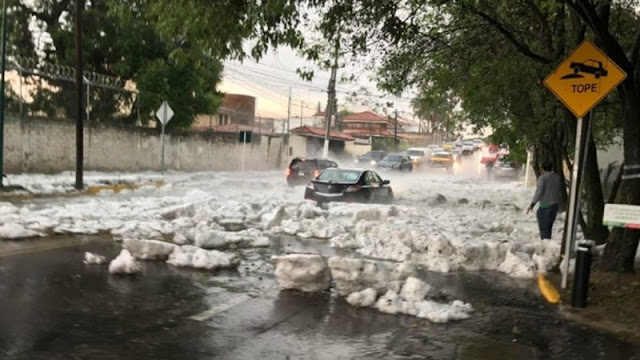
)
(353, 188)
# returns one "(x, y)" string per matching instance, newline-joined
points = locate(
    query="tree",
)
(493, 58)
(119, 41)
(600, 17)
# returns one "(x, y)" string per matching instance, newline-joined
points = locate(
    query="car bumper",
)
(339, 197)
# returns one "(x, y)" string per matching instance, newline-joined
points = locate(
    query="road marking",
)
(220, 308)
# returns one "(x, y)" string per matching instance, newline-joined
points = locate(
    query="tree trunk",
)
(622, 245)
(593, 197)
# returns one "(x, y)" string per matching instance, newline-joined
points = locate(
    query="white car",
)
(417, 155)
(479, 144)
(468, 148)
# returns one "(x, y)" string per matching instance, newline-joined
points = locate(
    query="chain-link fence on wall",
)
(40, 89)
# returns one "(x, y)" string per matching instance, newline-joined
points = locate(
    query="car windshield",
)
(442, 154)
(415, 153)
(302, 165)
(393, 158)
(348, 176)
(467, 144)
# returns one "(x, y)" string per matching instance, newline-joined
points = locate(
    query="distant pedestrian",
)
(548, 190)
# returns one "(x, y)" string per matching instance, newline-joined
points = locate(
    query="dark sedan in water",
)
(349, 185)
(396, 162)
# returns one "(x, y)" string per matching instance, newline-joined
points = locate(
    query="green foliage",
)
(120, 41)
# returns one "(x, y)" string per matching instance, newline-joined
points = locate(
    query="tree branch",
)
(587, 11)
(546, 29)
(635, 50)
(522, 48)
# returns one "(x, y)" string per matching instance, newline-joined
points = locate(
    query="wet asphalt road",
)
(52, 306)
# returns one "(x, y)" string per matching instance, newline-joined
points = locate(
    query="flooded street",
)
(55, 307)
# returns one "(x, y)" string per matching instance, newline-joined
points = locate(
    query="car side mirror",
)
(386, 182)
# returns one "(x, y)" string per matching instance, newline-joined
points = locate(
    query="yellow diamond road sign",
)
(584, 78)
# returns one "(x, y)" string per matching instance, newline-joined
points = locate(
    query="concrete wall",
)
(36, 145)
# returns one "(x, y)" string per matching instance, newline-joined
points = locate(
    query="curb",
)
(119, 187)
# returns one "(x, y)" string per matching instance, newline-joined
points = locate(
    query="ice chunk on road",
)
(13, 231)
(345, 241)
(212, 239)
(149, 249)
(442, 313)
(195, 257)
(518, 264)
(304, 272)
(125, 264)
(415, 289)
(213, 259)
(364, 298)
(411, 302)
(353, 275)
(8, 208)
(91, 258)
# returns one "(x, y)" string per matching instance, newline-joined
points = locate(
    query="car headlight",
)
(373, 162)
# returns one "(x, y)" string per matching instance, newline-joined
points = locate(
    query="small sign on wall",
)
(617, 215)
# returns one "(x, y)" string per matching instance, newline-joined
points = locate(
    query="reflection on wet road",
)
(55, 307)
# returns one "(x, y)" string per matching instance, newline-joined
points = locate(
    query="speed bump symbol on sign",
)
(584, 78)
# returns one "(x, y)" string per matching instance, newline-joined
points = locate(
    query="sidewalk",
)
(613, 305)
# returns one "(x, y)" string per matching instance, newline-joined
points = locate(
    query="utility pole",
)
(332, 96)
(301, 106)
(288, 114)
(286, 135)
(395, 132)
(79, 94)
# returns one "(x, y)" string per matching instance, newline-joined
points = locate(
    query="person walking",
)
(548, 193)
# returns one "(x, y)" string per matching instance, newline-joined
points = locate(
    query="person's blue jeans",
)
(546, 216)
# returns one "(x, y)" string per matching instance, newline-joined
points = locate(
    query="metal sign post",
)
(581, 81)
(244, 138)
(164, 114)
(572, 212)
(244, 147)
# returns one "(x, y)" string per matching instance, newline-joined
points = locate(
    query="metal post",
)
(573, 196)
(88, 102)
(21, 98)
(583, 161)
(244, 147)
(79, 108)
(164, 111)
(2, 98)
(527, 170)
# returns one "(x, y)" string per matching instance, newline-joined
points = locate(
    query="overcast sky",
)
(269, 81)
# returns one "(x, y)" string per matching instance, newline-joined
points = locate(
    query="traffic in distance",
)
(367, 178)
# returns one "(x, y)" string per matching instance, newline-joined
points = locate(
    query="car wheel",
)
(389, 197)
(597, 75)
(370, 197)
(576, 70)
